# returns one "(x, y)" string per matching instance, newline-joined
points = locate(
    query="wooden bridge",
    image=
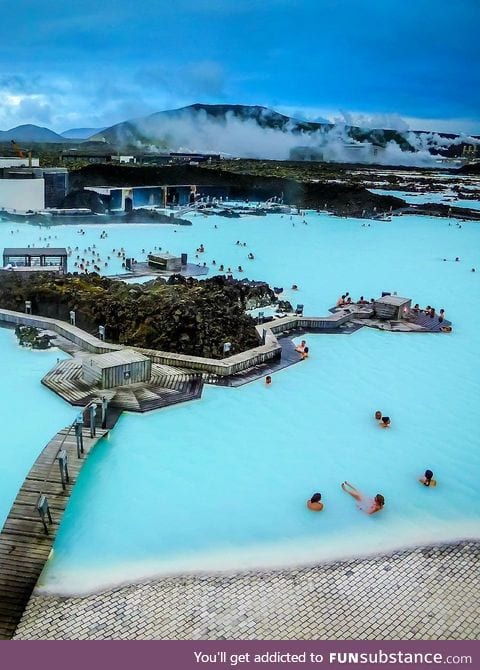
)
(30, 529)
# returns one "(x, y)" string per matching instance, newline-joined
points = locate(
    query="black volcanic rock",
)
(339, 198)
(88, 199)
(184, 316)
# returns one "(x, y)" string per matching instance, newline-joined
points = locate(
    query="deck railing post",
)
(79, 436)
(63, 465)
(93, 419)
(104, 411)
(44, 511)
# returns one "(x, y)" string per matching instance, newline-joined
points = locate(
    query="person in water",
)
(301, 347)
(314, 503)
(378, 415)
(268, 380)
(305, 353)
(384, 422)
(367, 505)
(427, 479)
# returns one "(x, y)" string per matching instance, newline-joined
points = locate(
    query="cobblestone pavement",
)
(427, 593)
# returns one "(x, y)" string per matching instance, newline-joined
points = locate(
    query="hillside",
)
(80, 133)
(30, 133)
(240, 130)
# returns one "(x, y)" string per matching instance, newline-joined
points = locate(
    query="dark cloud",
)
(417, 58)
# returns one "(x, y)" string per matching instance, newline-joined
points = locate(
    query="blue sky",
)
(381, 62)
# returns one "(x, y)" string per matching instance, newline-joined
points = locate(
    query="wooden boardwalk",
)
(167, 386)
(24, 544)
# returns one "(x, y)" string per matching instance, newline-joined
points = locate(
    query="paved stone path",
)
(428, 593)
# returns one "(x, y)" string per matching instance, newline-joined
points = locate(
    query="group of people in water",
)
(302, 349)
(346, 299)
(383, 421)
(364, 503)
(221, 266)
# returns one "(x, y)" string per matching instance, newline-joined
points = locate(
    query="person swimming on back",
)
(384, 422)
(427, 479)
(314, 503)
(367, 505)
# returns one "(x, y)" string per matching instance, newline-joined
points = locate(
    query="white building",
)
(12, 161)
(22, 195)
(124, 159)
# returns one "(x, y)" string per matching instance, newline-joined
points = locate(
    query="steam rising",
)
(255, 132)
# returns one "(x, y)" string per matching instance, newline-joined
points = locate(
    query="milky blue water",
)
(221, 483)
(443, 197)
(30, 414)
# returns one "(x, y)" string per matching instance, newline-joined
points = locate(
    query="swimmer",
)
(268, 380)
(314, 503)
(294, 287)
(367, 505)
(305, 353)
(301, 347)
(427, 479)
(384, 422)
(378, 415)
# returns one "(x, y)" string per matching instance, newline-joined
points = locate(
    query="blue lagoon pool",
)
(29, 413)
(221, 483)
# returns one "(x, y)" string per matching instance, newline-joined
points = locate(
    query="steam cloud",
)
(196, 131)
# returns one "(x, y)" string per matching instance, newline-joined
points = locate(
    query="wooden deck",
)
(24, 545)
(167, 386)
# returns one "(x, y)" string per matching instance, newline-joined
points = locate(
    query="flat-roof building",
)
(31, 259)
(15, 161)
(117, 368)
(32, 188)
(167, 262)
(392, 307)
(126, 198)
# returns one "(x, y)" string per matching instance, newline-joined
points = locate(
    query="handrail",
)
(41, 492)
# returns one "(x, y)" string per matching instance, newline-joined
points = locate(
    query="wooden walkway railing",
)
(30, 529)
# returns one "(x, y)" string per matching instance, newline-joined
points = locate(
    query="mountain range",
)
(30, 133)
(252, 131)
(80, 133)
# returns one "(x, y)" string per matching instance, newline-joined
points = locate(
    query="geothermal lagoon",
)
(221, 483)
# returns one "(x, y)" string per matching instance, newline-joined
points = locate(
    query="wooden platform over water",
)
(167, 386)
(24, 545)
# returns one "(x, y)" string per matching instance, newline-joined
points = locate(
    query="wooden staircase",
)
(168, 386)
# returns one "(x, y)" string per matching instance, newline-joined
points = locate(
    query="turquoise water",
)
(29, 413)
(221, 483)
(420, 198)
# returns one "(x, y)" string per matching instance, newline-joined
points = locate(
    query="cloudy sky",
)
(382, 62)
